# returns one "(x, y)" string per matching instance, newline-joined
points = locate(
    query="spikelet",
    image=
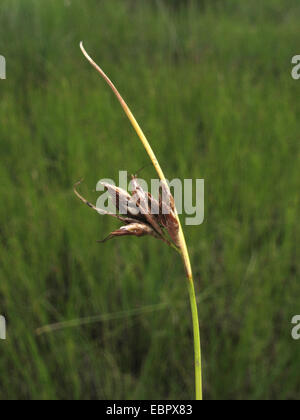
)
(140, 212)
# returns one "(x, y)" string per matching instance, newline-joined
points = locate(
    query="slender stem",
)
(182, 242)
(197, 343)
(194, 309)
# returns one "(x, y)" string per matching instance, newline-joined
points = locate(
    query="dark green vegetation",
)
(211, 87)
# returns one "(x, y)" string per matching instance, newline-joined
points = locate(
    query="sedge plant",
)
(163, 224)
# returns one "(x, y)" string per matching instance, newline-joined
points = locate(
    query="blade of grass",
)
(182, 241)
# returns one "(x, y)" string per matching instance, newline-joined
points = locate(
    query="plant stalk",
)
(194, 310)
(182, 242)
(197, 342)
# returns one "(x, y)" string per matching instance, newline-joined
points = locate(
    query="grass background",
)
(210, 83)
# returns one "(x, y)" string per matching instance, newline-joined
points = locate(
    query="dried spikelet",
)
(138, 223)
(120, 198)
(133, 229)
(168, 218)
(142, 200)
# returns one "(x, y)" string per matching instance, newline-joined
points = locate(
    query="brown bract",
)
(141, 213)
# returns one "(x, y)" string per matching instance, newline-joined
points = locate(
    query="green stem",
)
(197, 347)
(182, 244)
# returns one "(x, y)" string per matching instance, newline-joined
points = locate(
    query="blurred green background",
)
(210, 82)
